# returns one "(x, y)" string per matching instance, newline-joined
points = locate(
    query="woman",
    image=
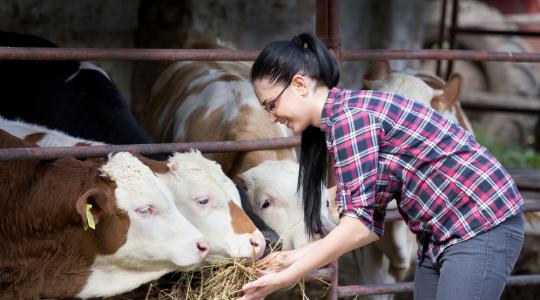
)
(454, 195)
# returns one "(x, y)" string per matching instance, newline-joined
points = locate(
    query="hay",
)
(217, 282)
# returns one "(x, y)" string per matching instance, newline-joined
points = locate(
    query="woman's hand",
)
(269, 282)
(283, 258)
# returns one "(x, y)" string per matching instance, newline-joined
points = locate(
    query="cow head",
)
(429, 89)
(159, 235)
(210, 200)
(271, 188)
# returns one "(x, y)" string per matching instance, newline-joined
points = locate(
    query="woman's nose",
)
(272, 117)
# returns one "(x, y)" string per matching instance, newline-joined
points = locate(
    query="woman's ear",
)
(300, 83)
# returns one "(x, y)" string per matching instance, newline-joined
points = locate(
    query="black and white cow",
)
(75, 97)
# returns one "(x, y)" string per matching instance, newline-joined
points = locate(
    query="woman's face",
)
(288, 104)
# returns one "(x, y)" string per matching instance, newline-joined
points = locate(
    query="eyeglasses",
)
(271, 105)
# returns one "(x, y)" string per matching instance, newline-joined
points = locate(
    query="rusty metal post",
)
(453, 32)
(327, 26)
(440, 42)
(332, 293)
(327, 23)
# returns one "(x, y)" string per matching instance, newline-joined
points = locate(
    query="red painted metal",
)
(123, 54)
(452, 38)
(327, 25)
(440, 40)
(96, 151)
(97, 54)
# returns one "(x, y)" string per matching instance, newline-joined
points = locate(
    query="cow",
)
(275, 201)
(202, 192)
(88, 228)
(77, 98)
(426, 88)
(214, 101)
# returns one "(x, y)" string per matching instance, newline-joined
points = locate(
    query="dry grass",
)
(217, 282)
(220, 281)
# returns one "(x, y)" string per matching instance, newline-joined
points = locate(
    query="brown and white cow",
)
(45, 251)
(214, 101)
(429, 89)
(202, 193)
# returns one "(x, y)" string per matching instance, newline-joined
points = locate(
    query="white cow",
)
(214, 101)
(268, 197)
(202, 193)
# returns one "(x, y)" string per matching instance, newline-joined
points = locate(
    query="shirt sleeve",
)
(356, 136)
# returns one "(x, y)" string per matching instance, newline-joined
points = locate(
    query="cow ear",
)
(101, 204)
(378, 70)
(451, 94)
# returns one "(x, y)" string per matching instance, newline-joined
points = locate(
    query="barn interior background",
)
(367, 24)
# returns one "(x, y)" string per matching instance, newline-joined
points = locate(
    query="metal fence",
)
(328, 30)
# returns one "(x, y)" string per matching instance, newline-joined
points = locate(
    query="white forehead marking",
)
(131, 174)
(186, 164)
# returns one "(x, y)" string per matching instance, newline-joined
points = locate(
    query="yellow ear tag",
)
(89, 218)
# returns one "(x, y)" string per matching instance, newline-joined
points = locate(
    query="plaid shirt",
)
(447, 186)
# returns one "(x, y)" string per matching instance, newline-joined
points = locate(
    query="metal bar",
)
(482, 100)
(375, 289)
(485, 107)
(404, 287)
(477, 30)
(477, 55)
(320, 274)
(452, 43)
(332, 293)
(440, 42)
(327, 25)
(96, 54)
(120, 54)
(96, 151)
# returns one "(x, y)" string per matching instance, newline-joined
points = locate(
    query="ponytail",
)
(278, 63)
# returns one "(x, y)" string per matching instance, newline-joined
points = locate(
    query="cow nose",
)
(258, 246)
(203, 248)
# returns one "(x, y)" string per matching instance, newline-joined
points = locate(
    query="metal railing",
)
(328, 31)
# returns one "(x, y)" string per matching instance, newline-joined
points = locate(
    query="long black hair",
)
(278, 63)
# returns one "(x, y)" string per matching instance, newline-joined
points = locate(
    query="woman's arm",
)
(350, 234)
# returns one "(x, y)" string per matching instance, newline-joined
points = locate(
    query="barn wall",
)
(245, 24)
(81, 23)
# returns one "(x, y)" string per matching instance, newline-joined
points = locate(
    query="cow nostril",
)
(202, 246)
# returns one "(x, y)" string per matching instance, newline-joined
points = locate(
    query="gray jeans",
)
(477, 268)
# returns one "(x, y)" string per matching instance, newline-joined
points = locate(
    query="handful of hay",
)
(221, 281)
(216, 282)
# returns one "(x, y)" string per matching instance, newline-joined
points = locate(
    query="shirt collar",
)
(327, 108)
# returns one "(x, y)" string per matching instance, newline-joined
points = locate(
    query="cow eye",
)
(145, 211)
(202, 200)
(265, 203)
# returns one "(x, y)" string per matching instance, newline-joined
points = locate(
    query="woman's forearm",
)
(350, 234)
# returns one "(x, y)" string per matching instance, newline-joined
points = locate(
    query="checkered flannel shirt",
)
(447, 186)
